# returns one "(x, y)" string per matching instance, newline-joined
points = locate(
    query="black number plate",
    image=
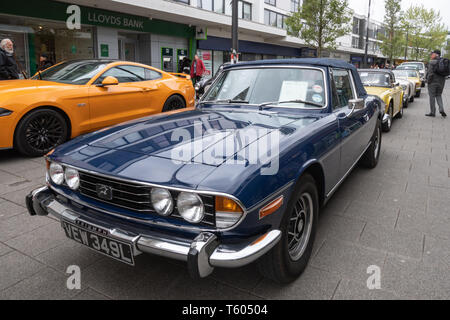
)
(110, 247)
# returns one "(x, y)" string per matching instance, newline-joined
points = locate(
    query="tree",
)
(425, 31)
(392, 41)
(320, 22)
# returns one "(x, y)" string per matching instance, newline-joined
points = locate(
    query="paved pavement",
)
(396, 217)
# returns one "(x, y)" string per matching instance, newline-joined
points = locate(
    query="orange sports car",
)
(77, 97)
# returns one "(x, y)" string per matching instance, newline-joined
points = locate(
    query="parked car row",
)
(396, 88)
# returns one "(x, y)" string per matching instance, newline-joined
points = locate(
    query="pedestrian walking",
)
(8, 66)
(185, 65)
(44, 62)
(197, 69)
(436, 83)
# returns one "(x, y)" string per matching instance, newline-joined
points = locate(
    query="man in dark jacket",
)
(8, 66)
(436, 84)
(44, 62)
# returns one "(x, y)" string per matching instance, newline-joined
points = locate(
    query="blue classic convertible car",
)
(240, 178)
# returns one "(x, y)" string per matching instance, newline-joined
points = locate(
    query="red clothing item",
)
(200, 68)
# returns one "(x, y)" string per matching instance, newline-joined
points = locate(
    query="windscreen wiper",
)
(262, 105)
(226, 101)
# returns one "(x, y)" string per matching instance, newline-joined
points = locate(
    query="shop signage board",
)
(60, 11)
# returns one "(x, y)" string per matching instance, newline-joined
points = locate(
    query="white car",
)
(409, 87)
(420, 66)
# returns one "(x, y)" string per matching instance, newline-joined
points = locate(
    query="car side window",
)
(152, 74)
(124, 74)
(343, 86)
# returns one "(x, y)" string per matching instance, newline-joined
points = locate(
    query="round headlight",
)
(162, 201)
(190, 206)
(72, 178)
(56, 172)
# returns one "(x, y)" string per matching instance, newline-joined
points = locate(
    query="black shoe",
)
(430, 115)
(444, 114)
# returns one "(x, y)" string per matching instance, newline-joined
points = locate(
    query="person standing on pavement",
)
(197, 69)
(44, 62)
(8, 66)
(436, 84)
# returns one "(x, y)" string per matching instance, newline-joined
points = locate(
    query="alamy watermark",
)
(247, 146)
(74, 280)
(374, 281)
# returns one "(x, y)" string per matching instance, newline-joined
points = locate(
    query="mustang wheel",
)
(372, 155)
(289, 258)
(173, 103)
(40, 131)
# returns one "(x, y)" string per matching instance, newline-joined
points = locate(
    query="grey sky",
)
(361, 7)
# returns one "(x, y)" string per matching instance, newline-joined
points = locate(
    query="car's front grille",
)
(136, 197)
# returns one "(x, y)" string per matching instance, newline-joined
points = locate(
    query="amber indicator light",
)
(271, 207)
(227, 205)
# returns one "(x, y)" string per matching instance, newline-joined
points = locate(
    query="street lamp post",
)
(367, 38)
(234, 31)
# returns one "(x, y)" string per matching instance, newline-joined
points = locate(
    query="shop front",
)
(44, 26)
(215, 51)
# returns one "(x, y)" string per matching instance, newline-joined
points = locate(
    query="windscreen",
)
(298, 86)
(75, 72)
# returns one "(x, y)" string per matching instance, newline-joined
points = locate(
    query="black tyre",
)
(412, 99)
(289, 258)
(406, 104)
(372, 155)
(388, 125)
(418, 93)
(173, 103)
(40, 131)
(400, 113)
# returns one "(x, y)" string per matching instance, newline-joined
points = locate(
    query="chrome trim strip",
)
(252, 252)
(275, 66)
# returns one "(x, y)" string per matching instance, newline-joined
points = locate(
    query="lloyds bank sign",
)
(77, 16)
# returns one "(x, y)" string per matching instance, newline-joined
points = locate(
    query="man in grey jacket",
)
(436, 84)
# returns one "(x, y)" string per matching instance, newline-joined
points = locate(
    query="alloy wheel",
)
(300, 226)
(44, 132)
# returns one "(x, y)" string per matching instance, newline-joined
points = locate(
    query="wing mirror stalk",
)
(355, 105)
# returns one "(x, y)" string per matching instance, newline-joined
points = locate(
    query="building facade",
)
(162, 32)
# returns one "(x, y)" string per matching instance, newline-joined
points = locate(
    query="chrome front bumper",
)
(202, 254)
(386, 118)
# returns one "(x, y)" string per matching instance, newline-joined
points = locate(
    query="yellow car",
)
(382, 83)
(77, 97)
(414, 76)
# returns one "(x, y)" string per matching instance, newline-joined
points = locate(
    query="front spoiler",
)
(202, 254)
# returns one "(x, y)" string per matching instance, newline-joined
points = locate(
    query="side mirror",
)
(356, 104)
(109, 81)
